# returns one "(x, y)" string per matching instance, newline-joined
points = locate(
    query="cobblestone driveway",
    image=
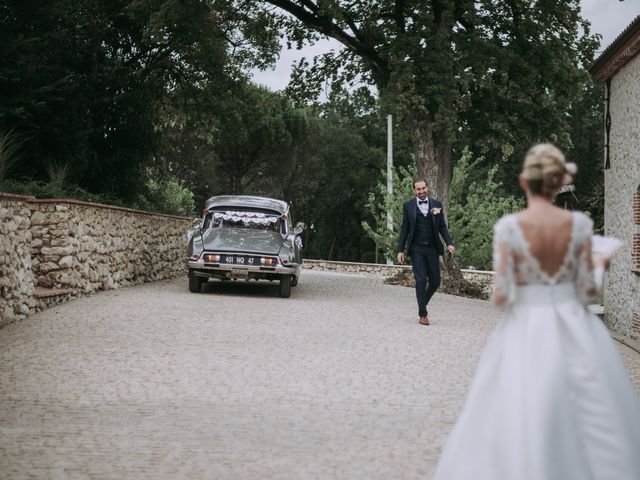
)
(337, 382)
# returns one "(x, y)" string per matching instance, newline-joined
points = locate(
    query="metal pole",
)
(389, 173)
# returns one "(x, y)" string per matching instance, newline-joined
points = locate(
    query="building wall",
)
(53, 250)
(622, 202)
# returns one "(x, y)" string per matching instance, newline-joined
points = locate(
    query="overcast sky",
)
(608, 18)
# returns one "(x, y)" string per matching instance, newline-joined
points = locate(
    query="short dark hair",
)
(419, 179)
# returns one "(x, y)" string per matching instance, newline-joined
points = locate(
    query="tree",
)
(477, 202)
(430, 60)
(387, 240)
(87, 81)
(337, 169)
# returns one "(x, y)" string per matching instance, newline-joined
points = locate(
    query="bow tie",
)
(420, 202)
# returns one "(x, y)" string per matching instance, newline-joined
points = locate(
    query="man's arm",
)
(404, 232)
(444, 231)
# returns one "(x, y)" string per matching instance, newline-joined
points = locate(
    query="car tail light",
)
(211, 258)
(269, 262)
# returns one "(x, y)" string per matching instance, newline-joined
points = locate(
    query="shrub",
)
(165, 193)
(475, 205)
(10, 152)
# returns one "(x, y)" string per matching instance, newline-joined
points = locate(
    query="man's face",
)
(421, 190)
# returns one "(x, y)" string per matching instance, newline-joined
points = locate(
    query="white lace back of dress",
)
(515, 264)
(527, 269)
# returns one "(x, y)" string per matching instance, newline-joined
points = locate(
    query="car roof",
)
(247, 201)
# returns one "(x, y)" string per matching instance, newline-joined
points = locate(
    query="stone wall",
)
(622, 181)
(53, 250)
(17, 285)
(480, 277)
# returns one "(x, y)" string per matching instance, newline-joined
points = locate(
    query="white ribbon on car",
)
(246, 218)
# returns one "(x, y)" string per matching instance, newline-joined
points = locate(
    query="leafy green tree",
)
(86, 81)
(533, 88)
(258, 141)
(431, 60)
(587, 152)
(336, 170)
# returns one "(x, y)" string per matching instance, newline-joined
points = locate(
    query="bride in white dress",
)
(550, 399)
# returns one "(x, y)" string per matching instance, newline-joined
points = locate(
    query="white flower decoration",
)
(435, 211)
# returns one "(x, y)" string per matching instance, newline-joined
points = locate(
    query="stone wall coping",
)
(84, 203)
(15, 196)
(364, 264)
(382, 265)
(51, 292)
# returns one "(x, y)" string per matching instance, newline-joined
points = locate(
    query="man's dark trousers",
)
(425, 261)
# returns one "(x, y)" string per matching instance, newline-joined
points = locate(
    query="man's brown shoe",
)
(424, 320)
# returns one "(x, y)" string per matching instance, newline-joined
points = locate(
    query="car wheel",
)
(285, 286)
(294, 280)
(195, 283)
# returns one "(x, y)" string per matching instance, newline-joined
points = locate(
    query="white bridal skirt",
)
(550, 399)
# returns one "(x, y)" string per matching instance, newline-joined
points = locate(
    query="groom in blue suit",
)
(422, 225)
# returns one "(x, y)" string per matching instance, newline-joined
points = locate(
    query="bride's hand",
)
(600, 260)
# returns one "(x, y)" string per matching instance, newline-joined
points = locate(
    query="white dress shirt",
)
(424, 208)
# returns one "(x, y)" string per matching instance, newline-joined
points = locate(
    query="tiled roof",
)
(622, 49)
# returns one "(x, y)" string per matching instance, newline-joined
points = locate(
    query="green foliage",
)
(476, 203)
(380, 202)
(58, 174)
(42, 189)
(88, 81)
(587, 152)
(492, 75)
(165, 193)
(258, 142)
(10, 152)
(330, 182)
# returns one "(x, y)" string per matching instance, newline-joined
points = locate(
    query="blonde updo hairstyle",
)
(546, 170)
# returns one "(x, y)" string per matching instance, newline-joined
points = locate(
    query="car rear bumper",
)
(203, 269)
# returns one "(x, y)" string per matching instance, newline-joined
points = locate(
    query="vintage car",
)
(245, 238)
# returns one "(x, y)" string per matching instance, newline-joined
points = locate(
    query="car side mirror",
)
(299, 228)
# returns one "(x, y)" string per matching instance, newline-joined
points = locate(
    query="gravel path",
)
(337, 382)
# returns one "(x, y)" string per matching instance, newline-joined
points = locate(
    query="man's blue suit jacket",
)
(409, 215)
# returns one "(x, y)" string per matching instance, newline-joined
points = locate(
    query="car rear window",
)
(243, 219)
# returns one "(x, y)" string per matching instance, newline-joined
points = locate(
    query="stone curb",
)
(376, 269)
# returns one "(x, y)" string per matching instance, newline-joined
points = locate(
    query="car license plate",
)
(239, 260)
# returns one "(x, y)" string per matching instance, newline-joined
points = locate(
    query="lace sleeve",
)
(587, 284)
(502, 264)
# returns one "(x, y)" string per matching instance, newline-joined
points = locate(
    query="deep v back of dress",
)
(549, 242)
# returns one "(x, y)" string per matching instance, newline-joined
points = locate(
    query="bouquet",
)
(605, 245)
